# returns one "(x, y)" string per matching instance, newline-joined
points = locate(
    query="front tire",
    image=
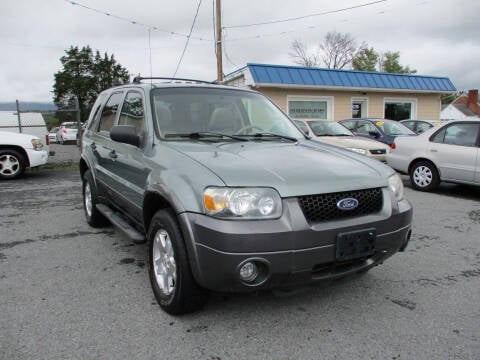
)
(12, 164)
(170, 275)
(424, 176)
(94, 217)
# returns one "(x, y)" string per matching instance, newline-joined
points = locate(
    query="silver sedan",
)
(448, 153)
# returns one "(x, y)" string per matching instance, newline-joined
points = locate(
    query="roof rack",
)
(138, 80)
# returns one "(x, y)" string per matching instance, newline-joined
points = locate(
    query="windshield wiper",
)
(266, 135)
(204, 135)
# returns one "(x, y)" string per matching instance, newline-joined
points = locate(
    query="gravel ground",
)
(64, 153)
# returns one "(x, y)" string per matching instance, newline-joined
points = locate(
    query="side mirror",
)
(126, 134)
(375, 134)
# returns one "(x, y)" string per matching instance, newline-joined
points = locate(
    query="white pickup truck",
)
(19, 151)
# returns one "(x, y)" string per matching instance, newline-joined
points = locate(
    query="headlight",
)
(242, 203)
(37, 144)
(357, 150)
(396, 185)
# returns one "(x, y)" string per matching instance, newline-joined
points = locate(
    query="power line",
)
(305, 16)
(188, 37)
(133, 21)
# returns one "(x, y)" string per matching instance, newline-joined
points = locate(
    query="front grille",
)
(378, 151)
(323, 207)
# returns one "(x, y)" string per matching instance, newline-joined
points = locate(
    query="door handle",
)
(433, 150)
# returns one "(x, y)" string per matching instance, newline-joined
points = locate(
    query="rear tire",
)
(94, 217)
(171, 278)
(424, 176)
(12, 164)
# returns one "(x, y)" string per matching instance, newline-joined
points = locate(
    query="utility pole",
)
(218, 47)
(18, 116)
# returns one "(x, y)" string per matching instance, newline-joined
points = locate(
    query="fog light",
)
(248, 271)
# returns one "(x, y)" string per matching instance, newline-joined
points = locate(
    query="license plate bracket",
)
(355, 244)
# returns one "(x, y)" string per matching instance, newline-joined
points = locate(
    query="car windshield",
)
(329, 128)
(390, 127)
(70, 125)
(218, 111)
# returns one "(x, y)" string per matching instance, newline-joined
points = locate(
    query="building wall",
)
(427, 106)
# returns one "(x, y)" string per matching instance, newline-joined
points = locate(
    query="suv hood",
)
(291, 168)
(353, 141)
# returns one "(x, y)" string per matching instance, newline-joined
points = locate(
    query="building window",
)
(359, 108)
(314, 108)
(400, 109)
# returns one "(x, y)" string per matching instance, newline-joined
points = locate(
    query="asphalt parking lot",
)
(68, 291)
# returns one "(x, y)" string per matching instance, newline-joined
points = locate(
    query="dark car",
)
(383, 130)
(230, 195)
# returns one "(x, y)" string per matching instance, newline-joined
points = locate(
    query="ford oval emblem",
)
(347, 204)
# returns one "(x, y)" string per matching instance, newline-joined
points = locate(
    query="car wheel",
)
(424, 176)
(12, 164)
(94, 217)
(170, 275)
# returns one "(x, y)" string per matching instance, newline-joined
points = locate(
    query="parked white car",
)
(67, 132)
(333, 133)
(449, 153)
(52, 134)
(19, 151)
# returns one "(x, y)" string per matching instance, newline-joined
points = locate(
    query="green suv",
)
(230, 194)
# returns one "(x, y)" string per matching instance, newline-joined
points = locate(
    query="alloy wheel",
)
(9, 165)
(164, 265)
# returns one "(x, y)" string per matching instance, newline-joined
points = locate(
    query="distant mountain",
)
(28, 106)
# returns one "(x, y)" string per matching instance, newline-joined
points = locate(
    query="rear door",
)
(454, 150)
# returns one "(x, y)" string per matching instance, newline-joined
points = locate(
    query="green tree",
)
(85, 75)
(390, 63)
(366, 59)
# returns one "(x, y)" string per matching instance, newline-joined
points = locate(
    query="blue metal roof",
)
(302, 76)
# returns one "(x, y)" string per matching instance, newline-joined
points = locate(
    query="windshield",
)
(180, 111)
(393, 128)
(329, 128)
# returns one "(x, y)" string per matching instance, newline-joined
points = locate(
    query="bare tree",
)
(301, 56)
(339, 50)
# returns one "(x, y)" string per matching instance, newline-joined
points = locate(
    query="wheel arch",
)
(83, 166)
(20, 149)
(413, 162)
(152, 202)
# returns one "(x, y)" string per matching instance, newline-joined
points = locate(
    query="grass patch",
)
(65, 165)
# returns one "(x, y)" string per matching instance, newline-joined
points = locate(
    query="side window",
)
(350, 125)
(109, 112)
(439, 137)
(364, 127)
(132, 112)
(423, 126)
(462, 134)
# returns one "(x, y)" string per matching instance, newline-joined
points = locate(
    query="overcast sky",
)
(436, 37)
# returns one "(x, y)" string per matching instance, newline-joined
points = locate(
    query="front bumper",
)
(288, 251)
(37, 157)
